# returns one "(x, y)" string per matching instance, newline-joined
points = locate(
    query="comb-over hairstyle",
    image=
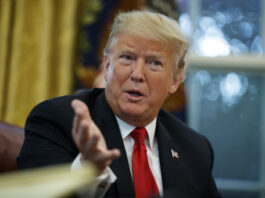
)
(152, 26)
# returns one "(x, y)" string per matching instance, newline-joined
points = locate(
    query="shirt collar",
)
(126, 129)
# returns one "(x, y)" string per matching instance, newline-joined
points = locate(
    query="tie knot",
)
(139, 134)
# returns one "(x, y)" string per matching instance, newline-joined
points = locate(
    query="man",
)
(139, 149)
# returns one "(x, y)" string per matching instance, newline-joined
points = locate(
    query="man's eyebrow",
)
(127, 51)
(126, 48)
(154, 54)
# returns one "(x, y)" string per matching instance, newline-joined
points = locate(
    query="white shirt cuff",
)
(100, 184)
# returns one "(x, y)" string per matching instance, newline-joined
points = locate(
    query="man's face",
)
(139, 76)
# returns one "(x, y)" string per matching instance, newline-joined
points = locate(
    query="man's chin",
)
(136, 115)
(133, 113)
(133, 110)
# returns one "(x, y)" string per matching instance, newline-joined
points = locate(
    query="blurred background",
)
(51, 48)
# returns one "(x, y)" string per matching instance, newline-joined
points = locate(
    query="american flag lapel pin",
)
(174, 154)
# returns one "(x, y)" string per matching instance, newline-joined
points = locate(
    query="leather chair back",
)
(11, 140)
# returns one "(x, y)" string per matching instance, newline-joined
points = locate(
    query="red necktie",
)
(143, 179)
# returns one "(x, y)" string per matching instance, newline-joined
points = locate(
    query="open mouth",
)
(135, 93)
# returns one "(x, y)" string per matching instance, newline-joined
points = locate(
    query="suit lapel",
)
(106, 121)
(175, 174)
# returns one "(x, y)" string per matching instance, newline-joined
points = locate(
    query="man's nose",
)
(138, 70)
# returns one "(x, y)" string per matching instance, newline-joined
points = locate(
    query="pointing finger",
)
(81, 112)
(92, 143)
(105, 158)
(81, 109)
(82, 134)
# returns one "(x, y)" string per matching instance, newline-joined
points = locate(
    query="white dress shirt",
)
(151, 147)
(108, 177)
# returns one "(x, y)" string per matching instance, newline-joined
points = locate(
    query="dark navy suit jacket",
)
(48, 141)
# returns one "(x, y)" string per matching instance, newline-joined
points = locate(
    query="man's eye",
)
(126, 59)
(155, 62)
(155, 65)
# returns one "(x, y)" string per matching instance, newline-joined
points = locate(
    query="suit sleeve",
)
(48, 137)
(213, 192)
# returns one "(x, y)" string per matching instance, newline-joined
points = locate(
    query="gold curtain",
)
(37, 53)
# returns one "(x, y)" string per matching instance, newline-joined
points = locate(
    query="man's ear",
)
(106, 65)
(177, 80)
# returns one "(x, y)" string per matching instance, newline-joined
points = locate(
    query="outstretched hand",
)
(89, 139)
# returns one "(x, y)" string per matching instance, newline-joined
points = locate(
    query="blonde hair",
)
(153, 26)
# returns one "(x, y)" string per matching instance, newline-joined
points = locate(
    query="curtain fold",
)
(37, 53)
(5, 30)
